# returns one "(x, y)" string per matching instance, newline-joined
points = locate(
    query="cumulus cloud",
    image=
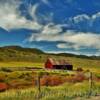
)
(81, 41)
(47, 31)
(85, 22)
(10, 16)
(68, 46)
(74, 52)
(51, 29)
(70, 39)
(82, 17)
(96, 15)
(77, 39)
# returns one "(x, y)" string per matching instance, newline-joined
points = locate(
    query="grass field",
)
(65, 92)
(86, 64)
(21, 64)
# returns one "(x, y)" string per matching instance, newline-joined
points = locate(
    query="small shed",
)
(58, 64)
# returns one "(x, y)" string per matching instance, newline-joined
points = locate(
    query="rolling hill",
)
(17, 53)
(33, 55)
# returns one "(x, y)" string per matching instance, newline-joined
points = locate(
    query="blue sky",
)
(69, 26)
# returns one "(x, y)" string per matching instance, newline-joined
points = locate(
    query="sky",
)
(54, 26)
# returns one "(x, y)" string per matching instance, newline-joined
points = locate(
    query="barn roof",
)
(58, 62)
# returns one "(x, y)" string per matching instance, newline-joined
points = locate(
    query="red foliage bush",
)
(54, 80)
(79, 77)
(69, 78)
(51, 80)
(3, 87)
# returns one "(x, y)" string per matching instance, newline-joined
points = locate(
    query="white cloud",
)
(32, 11)
(85, 39)
(82, 17)
(51, 29)
(47, 32)
(68, 46)
(96, 15)
(10, 16)
(46, 2)
(78, 39)
(74, 52)
(85, 17)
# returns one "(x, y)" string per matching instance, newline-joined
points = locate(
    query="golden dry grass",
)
(20, 64)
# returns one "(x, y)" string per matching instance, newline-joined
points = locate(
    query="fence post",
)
(38, 87)
(90, 83)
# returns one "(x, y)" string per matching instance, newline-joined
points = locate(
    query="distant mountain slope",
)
(79, 56)
(17, 53)
(21, 49)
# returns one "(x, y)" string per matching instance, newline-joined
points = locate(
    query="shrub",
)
(79, 69)
(51, 80)
(79, 77)
(2, 76)
(6, 70)
(3, 87)
(19, 83)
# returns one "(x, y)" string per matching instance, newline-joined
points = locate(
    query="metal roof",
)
(58, 62)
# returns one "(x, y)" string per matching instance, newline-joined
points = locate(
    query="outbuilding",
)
(58, 64)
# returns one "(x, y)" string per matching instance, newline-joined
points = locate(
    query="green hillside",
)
(16, 55)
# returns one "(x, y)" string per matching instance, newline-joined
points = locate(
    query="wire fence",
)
(89, 87)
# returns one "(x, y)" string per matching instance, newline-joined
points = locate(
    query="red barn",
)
(61, 64)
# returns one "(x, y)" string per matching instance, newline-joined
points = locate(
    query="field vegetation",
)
(67, 91)
(20, 80)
